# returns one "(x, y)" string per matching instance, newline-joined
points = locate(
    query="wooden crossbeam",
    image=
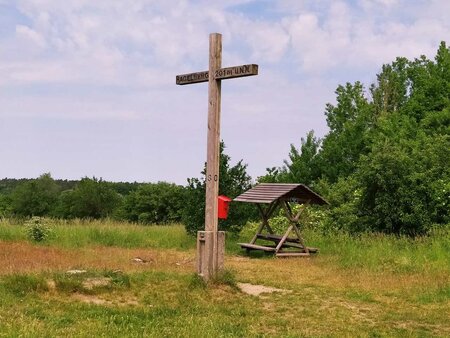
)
(219, 74)
(277, 238)
(292, 254)
(256, 247)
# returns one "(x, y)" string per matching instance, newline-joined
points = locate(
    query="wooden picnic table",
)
(269, 197)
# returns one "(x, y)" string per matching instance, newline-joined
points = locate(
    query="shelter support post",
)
(294, 220)
(265, 214)
(283, 239)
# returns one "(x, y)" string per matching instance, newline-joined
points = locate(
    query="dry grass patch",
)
(100, 300)
(23, 257)
(322, 271)
(352, 300)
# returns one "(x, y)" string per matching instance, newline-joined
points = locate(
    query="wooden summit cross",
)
(210, 243)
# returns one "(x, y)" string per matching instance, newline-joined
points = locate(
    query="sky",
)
(87, 88)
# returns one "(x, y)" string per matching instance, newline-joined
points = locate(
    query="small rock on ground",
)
(75, 272)
(139, 260)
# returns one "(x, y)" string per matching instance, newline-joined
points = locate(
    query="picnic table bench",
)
(275, 195)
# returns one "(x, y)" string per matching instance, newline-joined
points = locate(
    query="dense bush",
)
(158, 203)
(5, 206)
(405, 183)
(91, 198)
(35, 198)
(38, 229)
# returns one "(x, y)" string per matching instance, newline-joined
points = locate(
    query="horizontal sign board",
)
(236, 71)
(192, 78)
(220, 74)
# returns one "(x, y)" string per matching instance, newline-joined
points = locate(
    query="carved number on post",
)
(210, 177)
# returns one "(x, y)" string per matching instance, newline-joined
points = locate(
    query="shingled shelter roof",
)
(270, 192)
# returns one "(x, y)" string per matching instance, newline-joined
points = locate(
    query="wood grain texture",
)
(213, 146)
(213, 137)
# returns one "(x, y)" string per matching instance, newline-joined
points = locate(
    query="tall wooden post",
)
(211, 242)
(213, 144)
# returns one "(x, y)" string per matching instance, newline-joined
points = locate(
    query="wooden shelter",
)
(276, 195)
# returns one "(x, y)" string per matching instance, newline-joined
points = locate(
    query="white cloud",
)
(370, 5)
(117, 38)
(30, 35)
(344, 38)
(267, 41)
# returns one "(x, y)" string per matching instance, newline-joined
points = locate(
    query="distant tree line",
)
(145, 203)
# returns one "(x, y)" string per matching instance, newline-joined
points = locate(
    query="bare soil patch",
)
(256, 290)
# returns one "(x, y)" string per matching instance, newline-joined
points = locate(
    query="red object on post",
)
(223, 206)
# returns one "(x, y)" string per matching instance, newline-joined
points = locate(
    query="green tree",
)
(273, 175)
(390, 93)
(429, 84)
(233, 181)
(158, 203)
(405, 181)
(35, 197)
(349, 121)
(5, 206)
(385, 156)
(91, 198)
(7, 185)
(302, 166)
(405, 175)
(336, 155)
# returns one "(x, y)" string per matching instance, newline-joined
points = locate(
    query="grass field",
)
(369, 286)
